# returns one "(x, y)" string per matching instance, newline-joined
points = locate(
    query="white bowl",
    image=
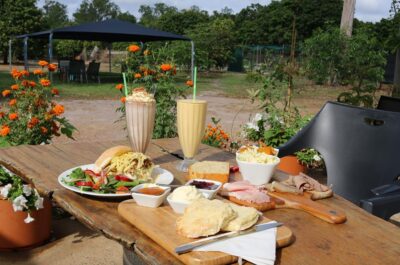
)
(178, 206)
(147, 200)
(257, 173)
(209, 194)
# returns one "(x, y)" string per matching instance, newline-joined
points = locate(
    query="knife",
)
(257, 228)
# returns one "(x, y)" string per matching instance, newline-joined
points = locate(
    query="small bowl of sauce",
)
(150, 195)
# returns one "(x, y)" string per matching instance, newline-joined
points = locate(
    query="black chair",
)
(389, 103)
(361, 149)
(92, 72)
(76, 71)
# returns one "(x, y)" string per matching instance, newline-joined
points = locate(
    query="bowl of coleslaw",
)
(257, 164)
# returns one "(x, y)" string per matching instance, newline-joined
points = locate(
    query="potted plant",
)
(25, 216)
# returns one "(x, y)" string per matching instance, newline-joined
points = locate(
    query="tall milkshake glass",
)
(191, 118)
(140, 110)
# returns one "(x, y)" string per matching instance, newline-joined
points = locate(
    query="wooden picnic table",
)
(363, 239)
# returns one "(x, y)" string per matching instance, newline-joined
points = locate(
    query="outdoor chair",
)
(76, 71)
(389, 103)
(92, 72)
(361, 150)
(63, 66)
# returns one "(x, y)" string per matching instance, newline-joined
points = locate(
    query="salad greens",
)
(87, 180)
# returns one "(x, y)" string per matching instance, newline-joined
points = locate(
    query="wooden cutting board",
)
(303, 202)
(159, 225)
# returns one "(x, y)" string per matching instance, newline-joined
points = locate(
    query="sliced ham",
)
(244, 190)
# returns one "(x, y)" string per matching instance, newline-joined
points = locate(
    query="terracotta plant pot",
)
(291, 165)
(15, 233)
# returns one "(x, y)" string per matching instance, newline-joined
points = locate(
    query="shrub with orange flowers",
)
(29, 113)
(155, 71)
(215, 135)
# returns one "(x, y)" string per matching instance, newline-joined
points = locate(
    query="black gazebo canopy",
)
(111, 30)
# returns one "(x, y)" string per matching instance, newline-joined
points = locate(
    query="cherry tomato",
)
(122, 178)
(84, 183)
(123, 188)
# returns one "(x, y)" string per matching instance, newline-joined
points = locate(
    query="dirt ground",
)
(98, 120)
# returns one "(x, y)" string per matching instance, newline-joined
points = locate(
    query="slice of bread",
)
(212, 170)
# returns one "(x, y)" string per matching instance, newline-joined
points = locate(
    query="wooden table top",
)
(363, 239)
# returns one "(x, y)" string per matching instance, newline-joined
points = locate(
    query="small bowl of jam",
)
(208, 187)
(150, 195)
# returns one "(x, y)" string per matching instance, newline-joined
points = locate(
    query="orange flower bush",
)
(30, 116)
(119, 86)
(52, 67)
(215, 135)
(137, 76)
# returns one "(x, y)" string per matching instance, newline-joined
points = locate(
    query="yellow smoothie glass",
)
(191, 119)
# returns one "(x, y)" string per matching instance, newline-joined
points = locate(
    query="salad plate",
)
(160, 175)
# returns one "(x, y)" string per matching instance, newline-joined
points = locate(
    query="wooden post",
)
(346, 24)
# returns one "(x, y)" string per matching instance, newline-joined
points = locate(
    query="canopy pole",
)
(51, 53)
(10, 53)
(109, 56)
(26, 53)
(192, 61)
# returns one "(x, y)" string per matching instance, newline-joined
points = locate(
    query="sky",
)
(366, 10)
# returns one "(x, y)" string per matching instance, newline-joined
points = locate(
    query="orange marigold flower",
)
(24, 73)
(38, 72)
(6, 92)
(16, 74)
(25, 83)
(5, 130)
(133, 48)
(12, 102)
(166, 67)
(137, 75)
(34, 121)
(43, 63)
(146, 52)
(13, 116)
(43, 130)
(58, 109)
(32, 84)
(45, 82)
(209, 126)
(55, 91)
(123, 99)
(210, 134)
(52, 67)
(189, 83)
(119, 86)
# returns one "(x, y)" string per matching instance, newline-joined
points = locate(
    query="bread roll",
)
(246, 217)
(105, 158)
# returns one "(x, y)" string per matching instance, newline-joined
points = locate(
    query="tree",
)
(96, 10)
(150, 15)
(18, 17)
(126, 16)
(55, 14)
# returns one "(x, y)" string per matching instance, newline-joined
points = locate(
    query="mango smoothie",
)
(191, 117)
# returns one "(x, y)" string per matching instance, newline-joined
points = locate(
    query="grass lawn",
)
(228, 84)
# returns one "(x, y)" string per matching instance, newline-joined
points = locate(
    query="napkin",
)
(258, 247)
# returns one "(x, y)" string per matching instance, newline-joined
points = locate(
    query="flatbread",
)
(204, 218)
(246, 217)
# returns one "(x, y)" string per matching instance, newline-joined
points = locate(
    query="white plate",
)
(161, 175)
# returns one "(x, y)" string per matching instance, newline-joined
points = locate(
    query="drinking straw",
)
(194, 83)
(125, 85)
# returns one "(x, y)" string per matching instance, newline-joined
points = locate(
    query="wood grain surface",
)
(362, 239)
(162, 231)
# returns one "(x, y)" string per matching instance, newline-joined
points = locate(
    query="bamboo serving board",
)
(303, 202)
(159, 225)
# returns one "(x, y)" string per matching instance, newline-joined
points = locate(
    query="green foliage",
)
(359, 61)
(18, 17)
(324, 55)
(67, 48)
(310, 158)
(55, 14)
